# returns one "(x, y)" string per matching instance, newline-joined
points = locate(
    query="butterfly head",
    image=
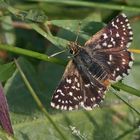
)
(73, 48)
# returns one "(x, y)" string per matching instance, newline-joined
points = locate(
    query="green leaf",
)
(6, 71)
(20, 101)
(83, 28)
(71, 123)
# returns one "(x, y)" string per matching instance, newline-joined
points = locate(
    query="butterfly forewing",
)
(109, 47)
(68, 94)
(116, 35)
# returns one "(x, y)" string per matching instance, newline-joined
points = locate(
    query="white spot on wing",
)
(131, 33)
(123, 15)
(109, 46)
(57, 107)
(126, 20)
(76, 80)
(65, 107)
(105, 36)
(128, 44)
(87, 85)
(104, 44)
(117, 20)
(123, 62)
(77, 89)
(73, 87)
(68, 80)
(60, 91)
(114, 25)
(78, 85)
(95, 105)
(117, 69)
(110, 57)
(87, 108)
(70, 93)
(75, 98)
(62, 107)
(62, 94)
(56, 96)
(128, 25)
(130, 63)
(52, 104)
(108, 62)
(117, 34)
(113, 42)
(70, 108)
(112, 39)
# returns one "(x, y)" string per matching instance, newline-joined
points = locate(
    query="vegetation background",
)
(32, 30)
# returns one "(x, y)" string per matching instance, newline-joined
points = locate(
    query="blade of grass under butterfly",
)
(32, 54)
(4, 113)
(125, 101)
(127, 88)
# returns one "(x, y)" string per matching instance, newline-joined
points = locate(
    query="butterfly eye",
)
(71, 52)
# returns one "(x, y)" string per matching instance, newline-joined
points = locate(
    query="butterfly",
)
(104, 59)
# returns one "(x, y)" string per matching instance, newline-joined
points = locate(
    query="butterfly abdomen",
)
(88, 65)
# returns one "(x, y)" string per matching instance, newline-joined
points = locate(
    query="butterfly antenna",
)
(78, 32)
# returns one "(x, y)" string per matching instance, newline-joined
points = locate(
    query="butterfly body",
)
(103, 59)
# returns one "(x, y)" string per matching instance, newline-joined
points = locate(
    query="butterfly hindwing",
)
(94, 91)
(117, 64)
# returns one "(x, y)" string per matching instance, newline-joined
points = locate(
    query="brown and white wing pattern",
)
(104, 59)
(68, 94)
(75, 90)
(109, 47)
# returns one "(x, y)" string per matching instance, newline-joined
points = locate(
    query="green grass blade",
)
(32, 54)
(127, 88)
(115, 92)
(93, 4)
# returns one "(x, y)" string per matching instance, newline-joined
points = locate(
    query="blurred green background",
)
(46, 26)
